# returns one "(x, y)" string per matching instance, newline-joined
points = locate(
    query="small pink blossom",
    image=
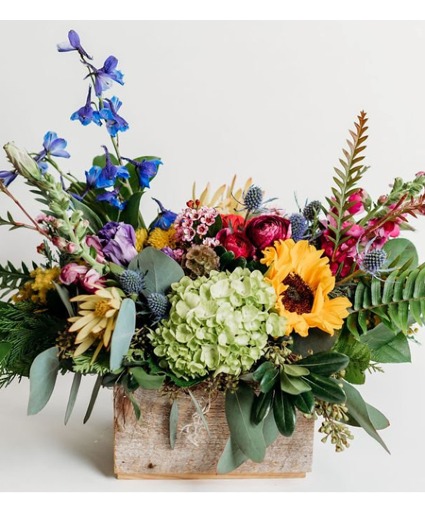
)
(94, 242)
(71, 273)
(202, 229)
(92, 281)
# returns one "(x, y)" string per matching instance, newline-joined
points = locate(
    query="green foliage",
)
(284, 413)
(24, 334)
(72, 396)
(396, 301)
(325, 363)
(84, 364)
(359, 354)
(93, 398)
(174, 418)
(386, 346)
(401, 253)
(145, 380)
(43, 373)
(346, 180)
(123, 333)
(316, 341)
(131, 213)
(12, 278)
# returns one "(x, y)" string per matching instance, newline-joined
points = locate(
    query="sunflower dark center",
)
(298, 297)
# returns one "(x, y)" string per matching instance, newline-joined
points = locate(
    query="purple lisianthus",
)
(114, 122)
(74, 44)
(118, 242)
(105, 76)
(7, 177)
(87, 114)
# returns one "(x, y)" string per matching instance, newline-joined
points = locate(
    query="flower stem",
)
(348, 278)
(69, 177)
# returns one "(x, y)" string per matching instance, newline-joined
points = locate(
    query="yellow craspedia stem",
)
(303, 281)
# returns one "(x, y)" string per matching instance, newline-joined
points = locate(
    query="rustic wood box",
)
(142, 448)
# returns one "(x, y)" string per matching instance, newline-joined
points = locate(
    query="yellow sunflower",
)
(96, 319)
(303, 280)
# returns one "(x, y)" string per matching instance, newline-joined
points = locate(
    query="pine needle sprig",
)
(346, 179)
(12, 278)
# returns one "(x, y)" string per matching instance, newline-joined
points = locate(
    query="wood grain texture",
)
(142, 448)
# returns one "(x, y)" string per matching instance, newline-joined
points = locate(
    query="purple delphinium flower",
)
(7, 177)
(114, 122)
(112, 198)
(53, 146)
(118, 242)
(87, 114)
(104, 77)
(74, 44)
(107, 176)
(165, 217)
(146, 170)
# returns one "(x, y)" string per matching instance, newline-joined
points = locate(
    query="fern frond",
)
(346, 179)
(397, 301)
(12, 278)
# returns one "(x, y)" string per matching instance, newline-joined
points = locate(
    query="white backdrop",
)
(268, 100)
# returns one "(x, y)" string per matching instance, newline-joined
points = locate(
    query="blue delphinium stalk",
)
(52, 147)
(164, 219)
(107, 176)
(105, 76)
(112, 197)
(7, 177)
(74, 44)
(114, 122)
(87, 114)
(146, 170)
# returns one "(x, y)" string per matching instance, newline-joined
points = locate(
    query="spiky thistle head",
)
(253, 198)
(158, 304)
(299, 226)
(373, 261)
(312, 209)
(132, 281)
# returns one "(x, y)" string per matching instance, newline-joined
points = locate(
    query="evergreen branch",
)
(12, 278)
(346, 181)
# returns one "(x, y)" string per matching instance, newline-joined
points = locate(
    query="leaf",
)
(174, 418)
(93, 398)
(358, 410)
(295, 370)
(95, 223)
(131, 213)
(304, 402)
(325, 363)
(269, 380)
(292, 385)
(43, 374)
(387, 347)
(399, 252)
(261, 370)
(326, 389)
(247, 436)
(359, 355)
(378, 419)
(64, 296)
(284, 413)
(134, 403)
(270, 429)
(72, 396)
(145, 380)
(200, 412)
(162, 271)
(316, 341)
(231, 458)
(261, 406)
(123, 333)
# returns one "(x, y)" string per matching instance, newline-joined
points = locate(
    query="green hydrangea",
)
(219, 323)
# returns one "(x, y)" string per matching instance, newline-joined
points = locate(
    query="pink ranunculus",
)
(72, 273)
(236, 242)
(92, 281)
(262, 231)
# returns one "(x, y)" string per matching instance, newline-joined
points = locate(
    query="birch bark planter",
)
(142, 448)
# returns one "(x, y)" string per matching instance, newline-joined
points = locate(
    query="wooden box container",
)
(142, 448)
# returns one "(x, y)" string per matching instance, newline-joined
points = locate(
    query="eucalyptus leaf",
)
(378, 419)
(162, 271)
(358, 410)
(93, 398)
(123, 333)
(43, 374)
(247, 436)
(134, 403)
(72, 396)
(145, 380)
(174, 419)
(200, 412)
(231, 458)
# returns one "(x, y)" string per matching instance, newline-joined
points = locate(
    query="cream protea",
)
(303, 280)
(96, 319)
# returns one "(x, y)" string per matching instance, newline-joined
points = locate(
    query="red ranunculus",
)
(262, 231)
(237, 242)
(233, 222)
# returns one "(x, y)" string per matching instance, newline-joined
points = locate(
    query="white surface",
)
(271, 100)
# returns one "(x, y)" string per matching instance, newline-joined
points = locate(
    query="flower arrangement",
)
(280, 313)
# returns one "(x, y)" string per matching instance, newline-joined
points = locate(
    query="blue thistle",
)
(253, 198)
(373, 261)
(312, 209)
(299, 226)
(158, 304)
(132, 281)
